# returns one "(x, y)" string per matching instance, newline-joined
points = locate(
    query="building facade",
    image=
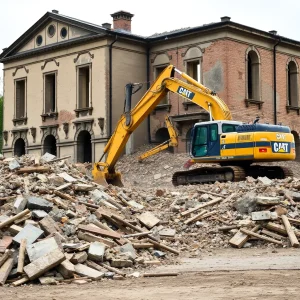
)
(64, 81)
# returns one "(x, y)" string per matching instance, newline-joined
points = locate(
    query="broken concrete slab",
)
(43, 264)
(168, 232)
(66, 269)
(264, 180)
(159, 254)
(79, 257)
(263, 200)
(41, 248)
(47, 157)
(39, 214)
(34, 203)
(136, 205)
(83, 187)
(48, 225)
(246, 204)
(13, 165)
(47, 281)
(30, 233)
(20, 204)
(121, 263)
(128, 248)
(96, 251)
(148, 219)
(263, 215)
(67, 177)
(88, 272)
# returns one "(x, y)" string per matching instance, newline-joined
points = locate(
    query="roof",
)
(98, 31)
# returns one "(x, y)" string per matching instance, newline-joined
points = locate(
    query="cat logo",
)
(281, 147)
(185, 93)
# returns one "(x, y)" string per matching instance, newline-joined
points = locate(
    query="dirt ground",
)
(239, 274)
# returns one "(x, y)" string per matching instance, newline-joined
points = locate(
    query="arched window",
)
(292, 84)
(253, 75)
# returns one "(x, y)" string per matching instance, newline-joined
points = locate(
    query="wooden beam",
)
(261, 237)
(29, 170)
(12, 219)
(21, 258)
(212, 202)
(293, 239)
(240, 238)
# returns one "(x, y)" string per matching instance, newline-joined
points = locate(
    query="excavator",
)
(172, 142)
(235, 146)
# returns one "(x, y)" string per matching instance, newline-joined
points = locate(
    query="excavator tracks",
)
(228, 173)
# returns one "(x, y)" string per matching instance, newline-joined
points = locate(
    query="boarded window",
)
(253, 79)
(20, 98)
(193, 70)
(84, 87)
(50, 93)
(158, 70)
(292, 84)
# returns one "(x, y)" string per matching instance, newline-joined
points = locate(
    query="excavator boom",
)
(130, 120)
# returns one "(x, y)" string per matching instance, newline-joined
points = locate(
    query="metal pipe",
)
(110, 87)
(275, 87)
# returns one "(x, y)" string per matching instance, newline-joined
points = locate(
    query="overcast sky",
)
(16, 16)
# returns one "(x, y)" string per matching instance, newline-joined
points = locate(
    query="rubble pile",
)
(58, 226)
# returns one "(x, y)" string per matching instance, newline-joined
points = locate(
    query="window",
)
(39, 40)
(253, 76)
(20, 98)
(229, 128)
(193, 69)
(292, 84)
(51, 30)
(200, 141)
(158, 70)
(63, 32)
(84, 87)
(50, 93)
(213, 132)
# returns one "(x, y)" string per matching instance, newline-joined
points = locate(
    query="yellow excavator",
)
(235, 146)
(172, 142)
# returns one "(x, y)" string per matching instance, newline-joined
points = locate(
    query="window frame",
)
(20, 120)
(290, 105)
(44, 92)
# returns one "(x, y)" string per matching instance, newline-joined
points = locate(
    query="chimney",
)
(106, 25)
(225, 19)
(122, 20)
(273, 32)
(55, 11)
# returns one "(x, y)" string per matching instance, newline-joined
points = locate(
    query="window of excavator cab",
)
(200, 141)
(213, 132)
(229, 128)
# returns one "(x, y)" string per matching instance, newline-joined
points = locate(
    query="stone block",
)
(48, 225)
(13, 165)
(264, 180)
(96, 251)
(47, 157)
(47, 281)
(79, 258)
(44, 264)
(30, 233)
(128, 248)
(263, 215)
(148, 219)
(169, 232)
(41, 248)
(263, 200)
(38, 203)
(88, 272)
(121, 263)
(66, 269)
(39, 214)
(20, 204)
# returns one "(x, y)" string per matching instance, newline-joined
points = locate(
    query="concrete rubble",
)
(62, 227)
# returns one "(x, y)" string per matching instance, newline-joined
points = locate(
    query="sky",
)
(150, 17)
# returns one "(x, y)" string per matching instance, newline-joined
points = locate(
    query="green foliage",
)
(1, 123)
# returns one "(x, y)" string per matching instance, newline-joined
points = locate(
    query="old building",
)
(64, 81)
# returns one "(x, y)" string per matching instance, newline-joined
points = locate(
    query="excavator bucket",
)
(104, 179)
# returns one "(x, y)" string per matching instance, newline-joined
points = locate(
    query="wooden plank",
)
(293, 239)
(63, 186)
(64, 196)
(261, 237)
(99, 231)
(12, 219)
(229, 227)
(192, 219)
(159, 274)
(136, 234)
(88, 237)
(212, 202)
(228, 198)
(294, 221)
(276, 227)
(5, 270)
(21, 258)
(29, 170)
(240, 238)
(21, 281)
(272, 234)
(162, 246)
(142, 245)
(211, 193)
(5, 257)
(109, 268)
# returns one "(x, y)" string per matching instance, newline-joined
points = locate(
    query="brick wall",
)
(224, 66)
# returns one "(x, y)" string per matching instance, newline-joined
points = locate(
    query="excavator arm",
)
(104, 172)
(172, 142)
